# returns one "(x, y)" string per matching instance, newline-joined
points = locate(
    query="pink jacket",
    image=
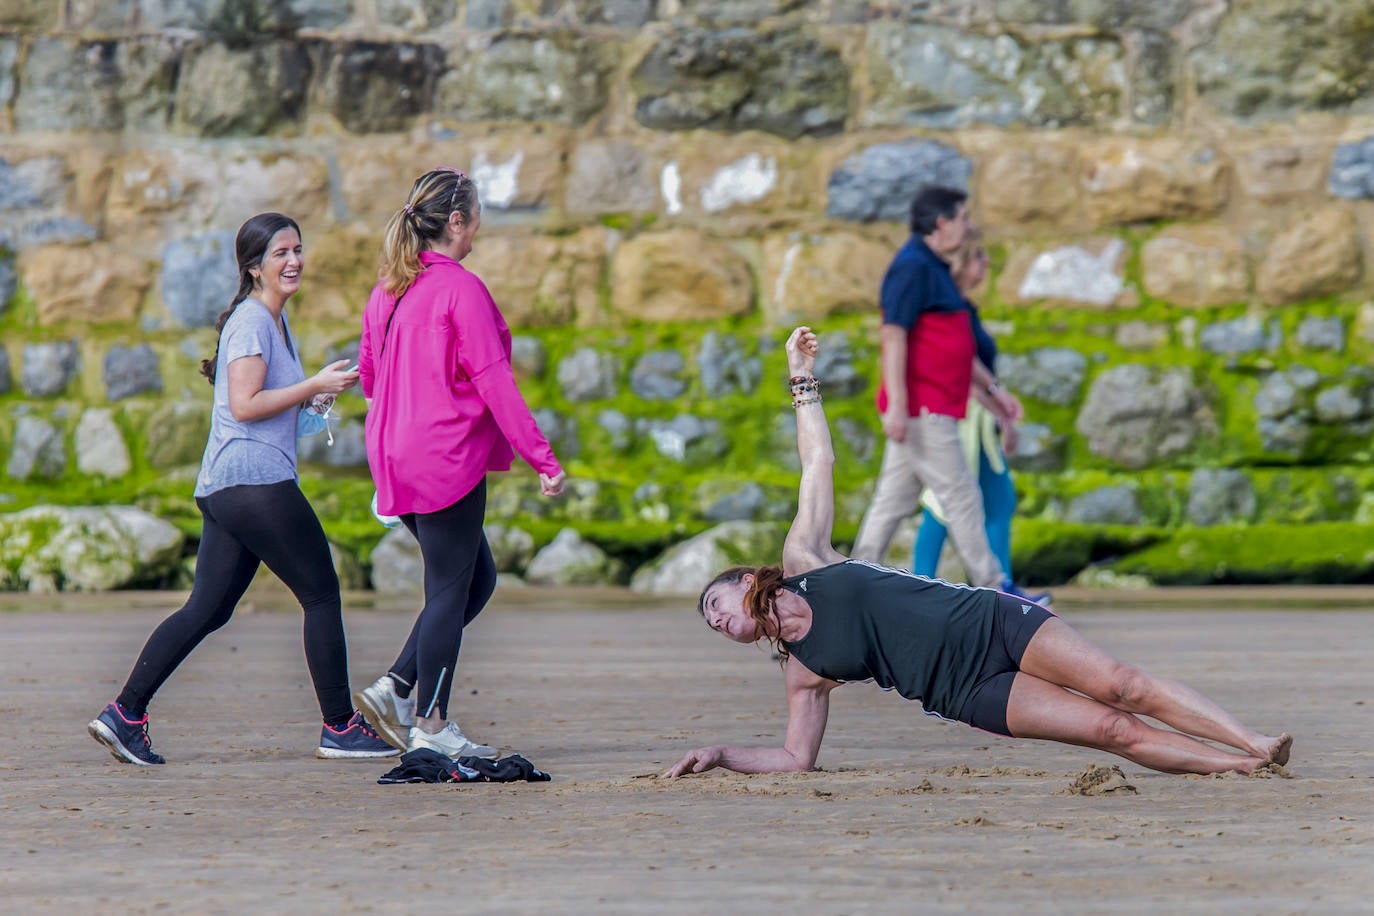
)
(445, 409)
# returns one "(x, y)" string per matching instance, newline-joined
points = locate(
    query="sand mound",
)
(1096, 780)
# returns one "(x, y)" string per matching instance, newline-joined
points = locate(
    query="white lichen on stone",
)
(670, 186)
(497, 182)
(789, 258)
(741, 182)
(1075, 274)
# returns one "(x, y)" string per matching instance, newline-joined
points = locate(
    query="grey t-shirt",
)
(256, 451)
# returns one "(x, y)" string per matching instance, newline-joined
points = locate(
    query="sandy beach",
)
(606, 689)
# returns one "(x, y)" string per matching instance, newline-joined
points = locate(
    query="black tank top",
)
(925, 638)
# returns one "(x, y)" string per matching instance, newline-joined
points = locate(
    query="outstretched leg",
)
(1039, 709)
(1059, 655)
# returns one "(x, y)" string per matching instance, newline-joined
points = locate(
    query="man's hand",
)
(1010, 437)
(1006, 406)
(894, 425)
(697, 761)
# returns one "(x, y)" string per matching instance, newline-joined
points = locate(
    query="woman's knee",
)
(1117, 730)
(1130, 688)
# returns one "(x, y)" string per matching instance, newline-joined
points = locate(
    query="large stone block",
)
(416, 15)
(31, 15)
(241, 22)
(880, 181)
(938, 76)
(248, 91)
(1089, 273)
(1135, 416)
(679, 275)
(1195, 266)
(611, 176)
(1270, 59)
(100, 16)
(6, 376)
(36, 190)
(49, 367)
(1352, 170)
(1129, 180)
(1053, 375)
(1316, 256)
(199, 278)
(131, 370)
(68, 85)
(377, 86)
(732, 178)
(1275, 172)
(542, 281)
(782, 81)
(551, 76)
(815, 276)
(92, 284)
(1018, 185)
(9, 56)
(36, 451)
(620, 14)
(100, 447)
(86, 548)
(148, 71)
(9, 279)
(177, 432)
(741, 12)
(1110, 15)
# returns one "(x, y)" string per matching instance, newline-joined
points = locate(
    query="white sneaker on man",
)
(391, 715)
(449, 740)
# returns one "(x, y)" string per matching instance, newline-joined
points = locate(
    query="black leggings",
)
(460, 576)
(272, 524)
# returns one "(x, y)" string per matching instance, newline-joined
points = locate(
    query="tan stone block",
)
(809, 276)
(340, 271)
(704, 173)
(1016, 186)
(515, 169)
(1316, 256)
(91, 284)
(1079, 273)
(1195, 266)
(149, 194)
(679, 275)
(1129, 180)
(540, 280)
(1281, 171)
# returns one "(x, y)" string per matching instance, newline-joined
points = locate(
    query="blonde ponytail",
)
(435, 196)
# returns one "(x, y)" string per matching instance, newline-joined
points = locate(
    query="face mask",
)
(310, 421)
(389, 521)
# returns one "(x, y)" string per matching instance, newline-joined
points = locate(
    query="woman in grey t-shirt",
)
(252, 507)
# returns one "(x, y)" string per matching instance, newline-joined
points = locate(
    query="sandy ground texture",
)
(907, 814)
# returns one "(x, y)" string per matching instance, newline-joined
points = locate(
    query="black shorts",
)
(1014, 622)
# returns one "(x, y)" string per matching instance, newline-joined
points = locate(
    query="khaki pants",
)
(931, 456)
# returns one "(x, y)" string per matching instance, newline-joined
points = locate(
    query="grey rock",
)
(199, 278)
(27, 230)
(587, 375)
(148, 75)
(9, 56)
(1282, 393)
(9, 279)
(511, 547)
(416, 15)
(397, 567)
(879, 182)
(69, 86)
(6, 377)
(1352, 170)
(96, 16)
(618, 428)
(1249, 334)
(553, 76)
(1287, 435)
(528, 357)
(742, 503)
(37, 450)
(858, 437)
(620, 14)
(688, 567)
(181, 430)
(611, 176)
(1117, 505)
(943, 77)
(1134, 417)
(560, 430)
(92, 549)
(1339, 404)
(725, 367)
(1051, 374)
(100, 447)
(1075, 273)
(1322, 333)
(782, 81)
(1218, 496)
(377, 86)
(835, 367)
(244, 21)
(740, 12)
(687, 439)
(569, 560)
(1277, 58)
(1112, 15)
(178, 14)
(348, 451)
(49, 367)
(1038, 448)
(1141, 335)
(657, 376)
(36, 182)
(488, 14)
(130, 371)
(247, 91)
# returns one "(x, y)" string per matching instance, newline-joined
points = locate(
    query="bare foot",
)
(1281, 748)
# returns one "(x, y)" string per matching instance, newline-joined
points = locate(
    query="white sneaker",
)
(391, 715)
(451, 741)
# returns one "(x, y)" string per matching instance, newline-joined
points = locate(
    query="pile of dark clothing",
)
(425, 765)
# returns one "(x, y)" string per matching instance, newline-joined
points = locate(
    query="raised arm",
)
(808, 541)
(808, 709)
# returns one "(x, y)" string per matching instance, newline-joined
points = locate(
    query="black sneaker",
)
(126, 738)
(355, 739)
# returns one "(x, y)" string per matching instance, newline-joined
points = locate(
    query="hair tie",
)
(409, 209)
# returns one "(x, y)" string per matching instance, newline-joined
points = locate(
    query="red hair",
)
(759, 601)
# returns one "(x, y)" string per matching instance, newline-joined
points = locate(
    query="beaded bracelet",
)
(800, 402)
(801, 384)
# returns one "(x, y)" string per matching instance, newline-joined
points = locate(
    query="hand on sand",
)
(697, 761)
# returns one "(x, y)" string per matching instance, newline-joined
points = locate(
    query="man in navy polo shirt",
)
(929, 366)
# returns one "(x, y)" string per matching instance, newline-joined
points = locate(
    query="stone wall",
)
(1180, 197)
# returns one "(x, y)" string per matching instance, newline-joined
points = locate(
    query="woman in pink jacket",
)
(434, 363)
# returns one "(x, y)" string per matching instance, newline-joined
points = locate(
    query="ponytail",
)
(435, 196)
(209, 366)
